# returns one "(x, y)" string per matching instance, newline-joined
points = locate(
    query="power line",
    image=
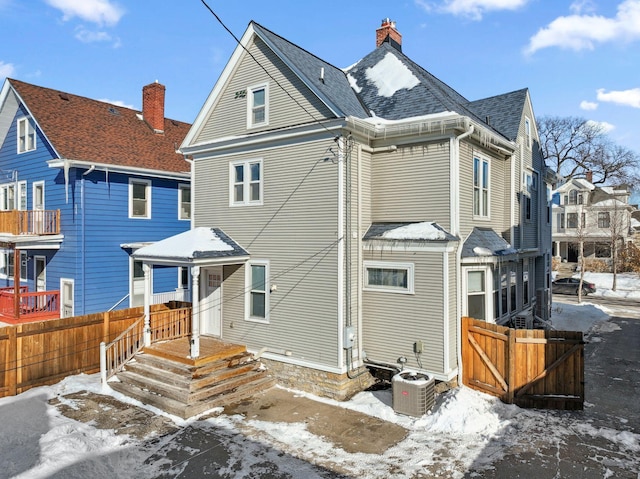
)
(237, 40)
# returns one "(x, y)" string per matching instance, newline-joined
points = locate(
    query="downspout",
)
(83, 242)
(83, 236)
(341, 255)
(455, 227)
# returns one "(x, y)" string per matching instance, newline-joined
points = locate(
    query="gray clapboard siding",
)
(296, 230)
(229, 113)
(412, 184)
(498, 211)
(392, 322)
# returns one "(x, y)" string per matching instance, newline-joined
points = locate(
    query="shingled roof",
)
(503, 112)
(82, 129)
(323, 77)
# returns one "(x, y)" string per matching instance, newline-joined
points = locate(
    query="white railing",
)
(177, 295)
(117, 353)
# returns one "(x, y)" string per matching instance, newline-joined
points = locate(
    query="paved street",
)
(612, 410)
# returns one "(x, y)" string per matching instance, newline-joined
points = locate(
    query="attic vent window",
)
(113, 111)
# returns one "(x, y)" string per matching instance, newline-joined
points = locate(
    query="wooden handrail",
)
(33, 222)
(117, 353)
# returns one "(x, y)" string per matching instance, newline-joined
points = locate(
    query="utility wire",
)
(237, 40)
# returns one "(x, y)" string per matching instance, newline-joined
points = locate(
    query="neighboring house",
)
(112, 179)
(357, 215)
(595, 215)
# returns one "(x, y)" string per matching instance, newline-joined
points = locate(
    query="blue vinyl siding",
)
(95, 222)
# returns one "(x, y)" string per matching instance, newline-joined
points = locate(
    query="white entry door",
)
(66, 298)
(211, 302)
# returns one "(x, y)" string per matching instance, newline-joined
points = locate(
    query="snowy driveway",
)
(468, 435)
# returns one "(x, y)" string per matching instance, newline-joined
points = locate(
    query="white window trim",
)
(180, 188)
(482, 159)
(72, 282)
(34, 188)
(4, 190)
(246, 183)
(30, 129)
(250, 91)
(147, 184)
(131, 278)
(248, 289)
(488, 292)
(21, 197)
(528, 132)
(409, 267)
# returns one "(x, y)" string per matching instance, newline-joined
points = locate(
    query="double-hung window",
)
(257, 297)
(246, 183)
(527, 131)
(604, 219)
(258, 105)
(8, 193)
(572, 220)
(480, 187)
(184, 202)
(476, 296)
(389, 277)
(139, 199)
(26, 135)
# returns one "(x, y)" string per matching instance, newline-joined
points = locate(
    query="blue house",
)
(83, 184)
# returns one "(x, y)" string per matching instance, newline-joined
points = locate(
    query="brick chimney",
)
(388, 33)
(153, 106)
(589, 176)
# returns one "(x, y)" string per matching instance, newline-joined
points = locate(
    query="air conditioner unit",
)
(413, 393)
(543, 304)
(523, 320)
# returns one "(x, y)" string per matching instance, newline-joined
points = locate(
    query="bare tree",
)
(574, 146)
(617, 230)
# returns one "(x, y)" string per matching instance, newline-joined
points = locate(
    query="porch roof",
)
(197, 246)
(410, 231)
(483, 242)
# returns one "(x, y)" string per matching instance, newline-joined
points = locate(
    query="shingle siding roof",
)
(335, 85)
(503, 111)
(82, 129)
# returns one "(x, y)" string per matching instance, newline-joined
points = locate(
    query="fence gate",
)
(528, 367)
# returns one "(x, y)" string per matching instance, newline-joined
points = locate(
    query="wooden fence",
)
(44, 352)
(528, 367)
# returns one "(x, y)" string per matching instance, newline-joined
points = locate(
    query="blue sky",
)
(578, 58)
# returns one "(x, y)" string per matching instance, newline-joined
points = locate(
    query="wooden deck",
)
(178, 350)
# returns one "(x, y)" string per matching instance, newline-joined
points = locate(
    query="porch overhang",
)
(484, 245)
(48, 242)
(200, 246)
(420, 236)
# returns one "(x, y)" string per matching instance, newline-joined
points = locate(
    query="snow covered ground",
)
(469, 431)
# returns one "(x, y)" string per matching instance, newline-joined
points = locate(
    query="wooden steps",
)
(165, 378)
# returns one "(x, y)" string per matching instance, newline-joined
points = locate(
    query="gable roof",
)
(82, 129)
(504, 112)
(333, 89)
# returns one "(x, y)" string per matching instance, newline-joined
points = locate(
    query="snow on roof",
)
(575, 183)
(635, 223)
(390, 75)
(416, 231)
(186, 245)
(376, 120)
(610, 202)
(354, 83)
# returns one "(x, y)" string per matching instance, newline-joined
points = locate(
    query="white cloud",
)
(623, 97)
(6, 69)
(580, 32)
(602, 125)
(117, 103)
(582, 6)
(474, 9)
(588, 105)
(101, 12)
(87, 36)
